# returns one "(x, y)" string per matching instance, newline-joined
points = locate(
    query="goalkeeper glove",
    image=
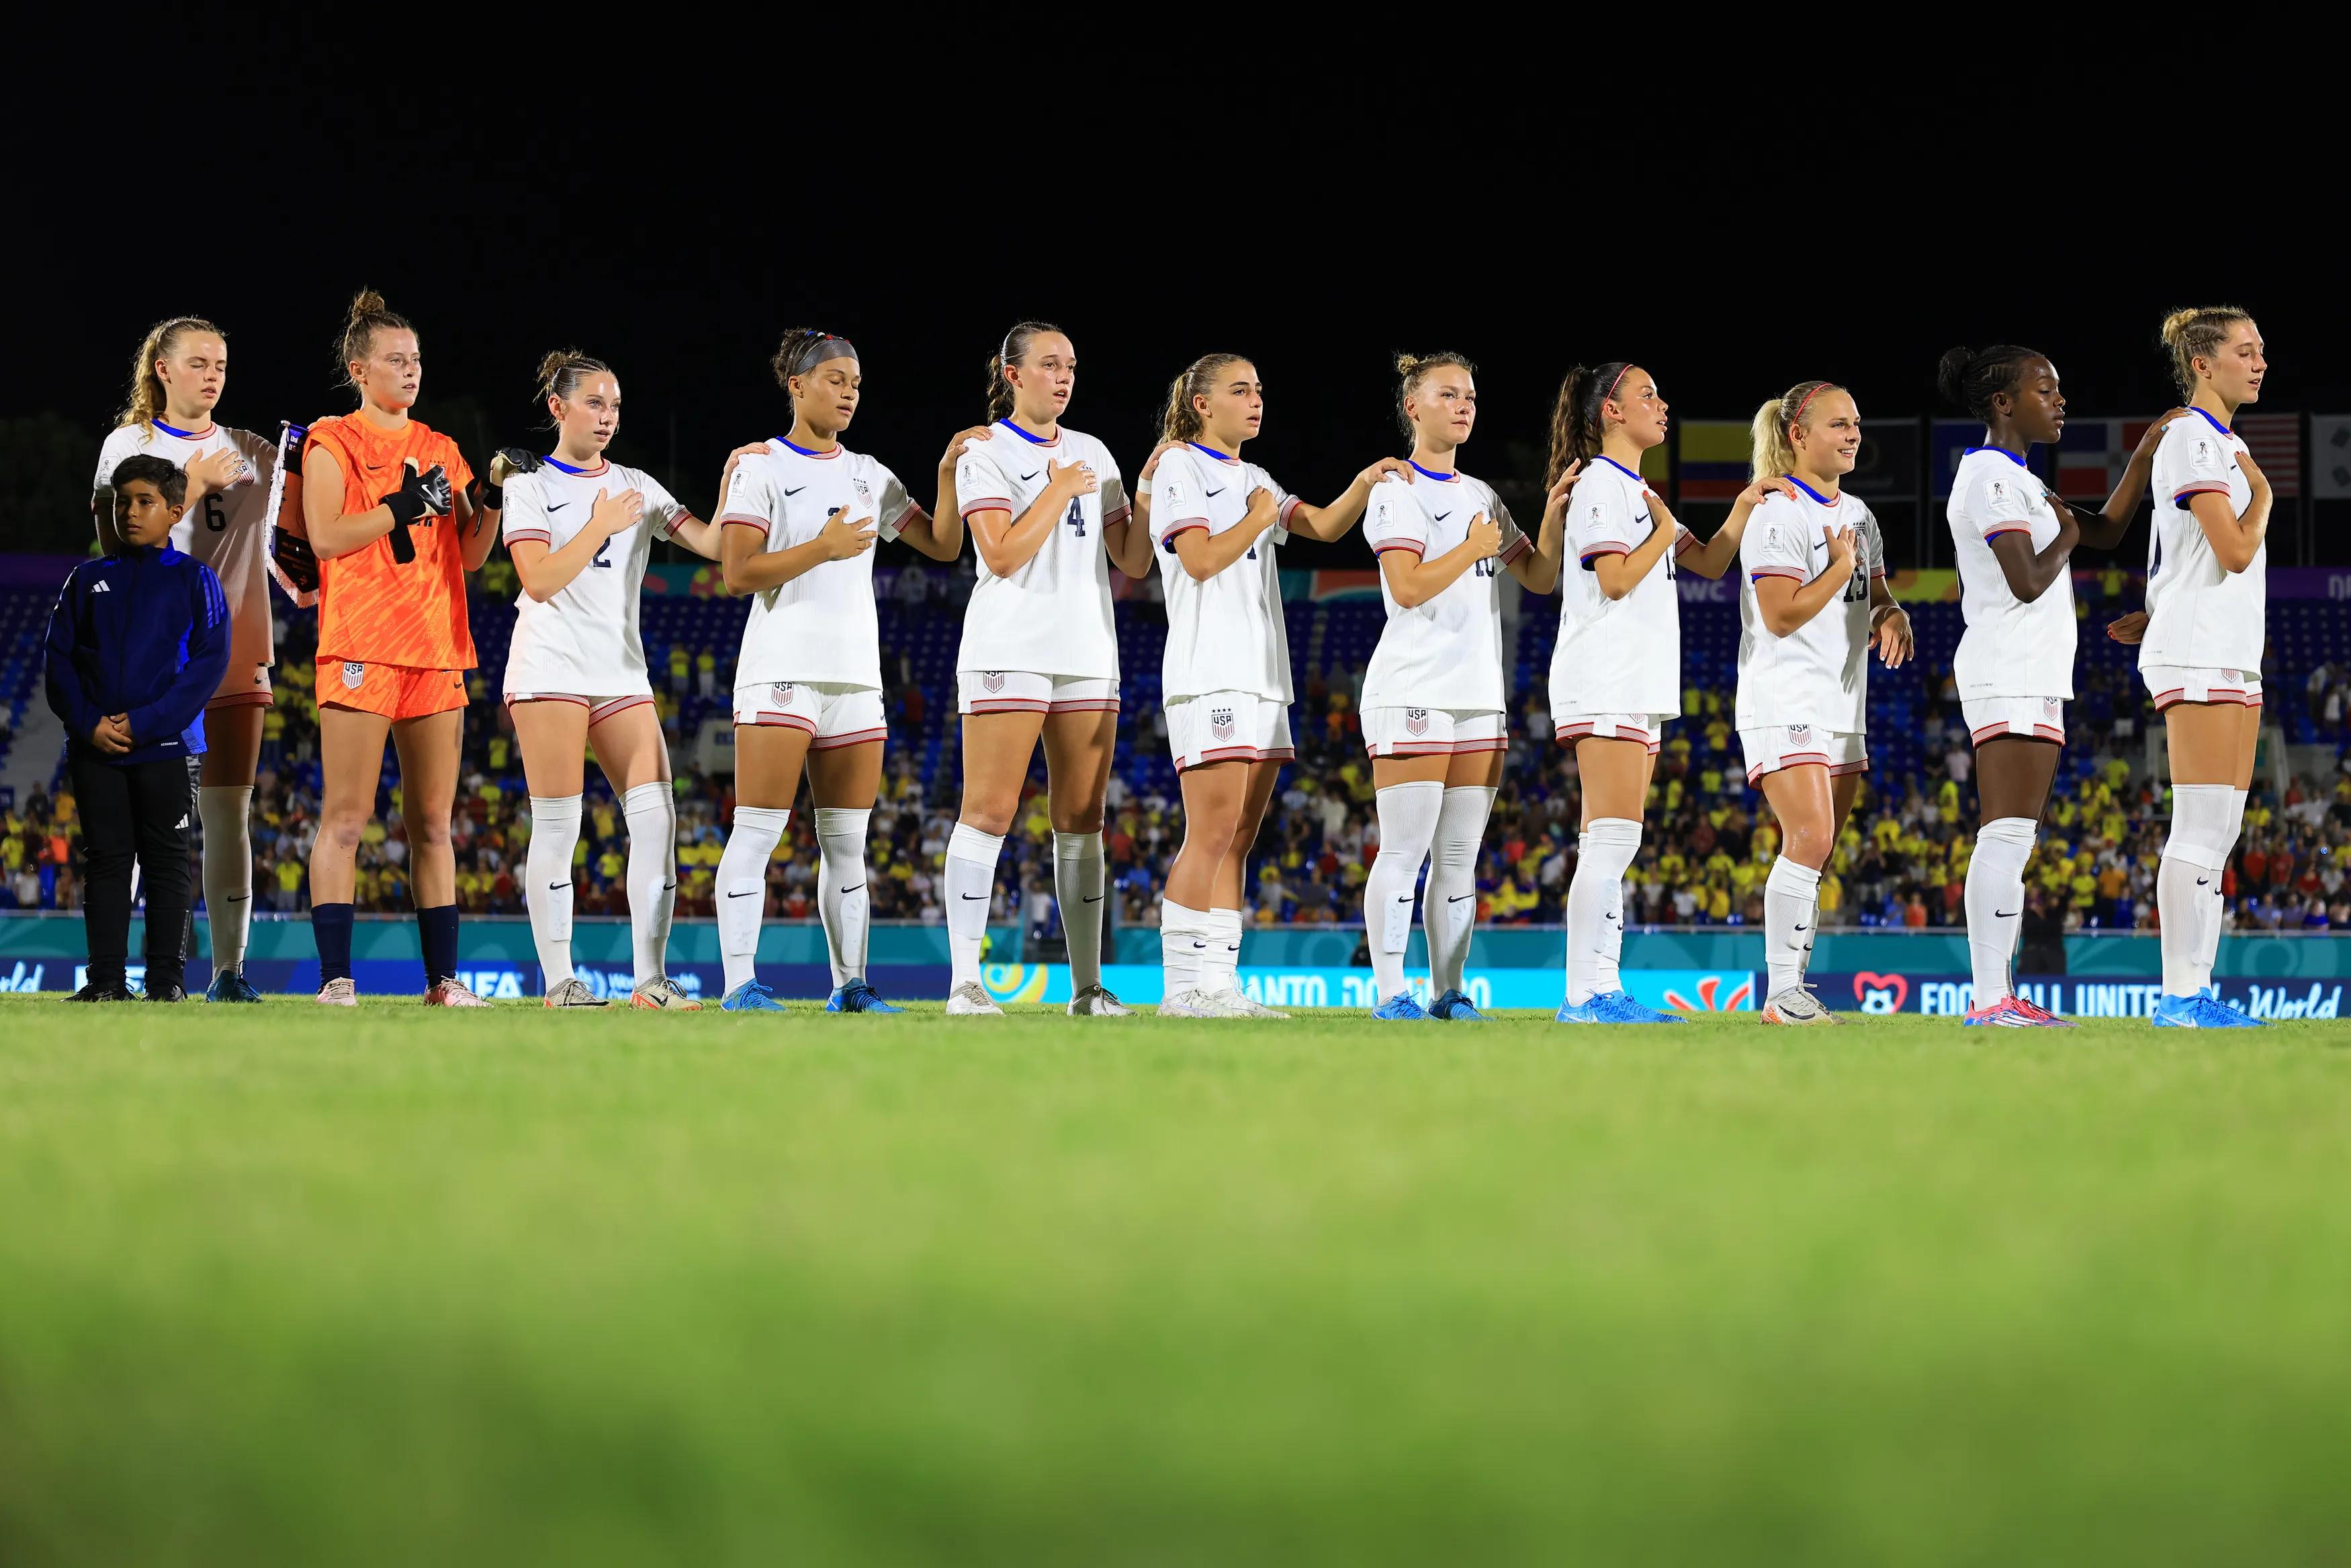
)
(420, 495)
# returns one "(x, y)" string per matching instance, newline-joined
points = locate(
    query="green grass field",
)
(281, 1285)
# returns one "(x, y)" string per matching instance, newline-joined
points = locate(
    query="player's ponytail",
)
(1773, 452)
(1412, 369)
(2191, 335)
(1181, 420)
(1576, 424)
(561, 373)
(1970, 379)
(146, 402)
(1014, 350)
(368, 316)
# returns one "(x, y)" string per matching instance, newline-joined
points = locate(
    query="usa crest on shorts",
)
(783, 692)
(1220, 723)
(1415, 721)
(353, 673)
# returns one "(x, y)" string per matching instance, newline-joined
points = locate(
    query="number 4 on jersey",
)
(1077, 518)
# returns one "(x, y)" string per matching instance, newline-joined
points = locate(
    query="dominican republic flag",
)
(2093, 453)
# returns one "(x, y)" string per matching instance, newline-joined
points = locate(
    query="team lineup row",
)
(379, 517)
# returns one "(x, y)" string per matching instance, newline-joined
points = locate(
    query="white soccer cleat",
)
(572, 993)
(1197, 1004)
(344, 993)
(1238, 1003)
(970, 1001)
(1797, 1004)
(660, 995)
(1096, 1001)
(452, 994)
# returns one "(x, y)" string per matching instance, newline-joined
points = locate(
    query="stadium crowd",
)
(1902, 860)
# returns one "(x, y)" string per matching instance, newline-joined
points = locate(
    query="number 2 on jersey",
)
(603, 553)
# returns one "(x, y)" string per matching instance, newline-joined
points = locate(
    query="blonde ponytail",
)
(1773, 450)
(1180, 420)
(147, 403)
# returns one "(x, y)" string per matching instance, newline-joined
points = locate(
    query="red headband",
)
(1612, 386)
(1807, 399)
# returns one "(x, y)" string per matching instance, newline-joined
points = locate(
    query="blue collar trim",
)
(2001, 450)
(1815, 495)
(807, 451)
(1024, 435)
(1623, 470)
(562, 467)
(2207, 419)
(1212, 452)
(1440, 478)
(184, 435)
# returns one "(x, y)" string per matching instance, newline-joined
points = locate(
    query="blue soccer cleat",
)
(1454, 1007)
(1401, 1006)
(228, 985)
(751, 997)
(1612, 1007)
(858, 997)
(2204, 1009)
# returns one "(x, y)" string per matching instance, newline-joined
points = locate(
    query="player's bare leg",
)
(1078, 747)
(769, 760)
(1803, 800)
(430, 752)
(350, 760)
(225, 806)
(1191, 943)
(843, 783)
(997, 750)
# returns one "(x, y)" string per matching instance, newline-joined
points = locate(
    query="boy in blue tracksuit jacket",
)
(137, 645)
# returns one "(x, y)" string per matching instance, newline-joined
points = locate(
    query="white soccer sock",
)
(1078, 890)
(743, 888)
(970, 888)
(554, 831)
(842, 900)
(1995, 903)
(1182, 947)
(226, 813)
(1222, 954)
(2187, 879)
(1408, 814)
(1596, 907)
(650, 812)
(1792, 898)
(1449, 905)
(2216, 923)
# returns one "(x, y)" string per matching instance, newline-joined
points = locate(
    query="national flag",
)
(1714, 454)
(2275, 442)
(2093, 454)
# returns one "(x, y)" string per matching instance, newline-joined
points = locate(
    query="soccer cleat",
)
(1196, 1003)
(2204, 1009)
(1240, 1003)
(1399, 1008)
(573, 992)
(970, 1000)
(751, 996)
(169, 990)
(660, 995)
(1096, 1001)
(451, 993)
(1610, 1007)
(1454, 1007)
(858, 997)
(94, 991)
(1797, 1004)
(2015, 1013)
(343, 992)
(229, 985)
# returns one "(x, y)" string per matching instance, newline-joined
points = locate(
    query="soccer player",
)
(2014, 542)
(580, 529)
(177, 376)
(1048, 518)
(1434, 697)
(2201, 642)
(388, 515)
(1615, 672)
(1812, 601)
(798, 521)
(1214, 522)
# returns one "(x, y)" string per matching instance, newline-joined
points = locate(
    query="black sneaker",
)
(102, 991)
(169, 990)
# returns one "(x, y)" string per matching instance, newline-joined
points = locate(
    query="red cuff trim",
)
(519, 534)
(1688, 541)
(1997, 529)
(1121, 515)
(1167, 540)
(1414, 545)
(744, 520)
(1289, 507)
(1591, 556)
(1791, 574)
(993, 503)
(2200, 490)
(1518, 547)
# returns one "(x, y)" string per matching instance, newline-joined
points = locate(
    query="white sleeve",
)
(1178, 503)
(1284, 503)
(1111, 487)
(980, 485)
(1996, 503)
(1515, 542)
(1599, 521)
(2205, 460)
(120, 443)
(525, 513)
(1776, 543)
(259, 451)
(891, 502)
(662, 510)
(1393, 521)
(1873, 541)
(749, 500)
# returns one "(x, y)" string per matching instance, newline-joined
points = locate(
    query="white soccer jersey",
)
(1226, 634)
(1615, 656)
(227, 530)
(1446, 652)
(821, 625)
(2199, 614)
(584, 641)
(2010, 648)
(1819, 673)
(1052, 615)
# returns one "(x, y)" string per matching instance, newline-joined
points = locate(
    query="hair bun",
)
(1405, 364)
(2176, 325)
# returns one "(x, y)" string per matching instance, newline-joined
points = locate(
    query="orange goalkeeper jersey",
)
(372, 608)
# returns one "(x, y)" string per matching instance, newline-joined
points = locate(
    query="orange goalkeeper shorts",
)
(394, 690)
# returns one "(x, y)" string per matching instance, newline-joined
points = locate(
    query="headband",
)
(1612, 386)
(1808, 397)
(823, 346)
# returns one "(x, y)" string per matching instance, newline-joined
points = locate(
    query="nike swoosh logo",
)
(556, 506)
(557, 887)
(753, 893)
(1802, 928)
(1443, 516)
(1095, 899)
(1457, 897)
(1996, 914)
(1199, 944)
(1216, 493)
(847, 890)
(1234, 948)
(789, 493)
(2203, 881)
(975, 896)
(1404, 898)
(667, 886)
(1026, 477)
(237, 898)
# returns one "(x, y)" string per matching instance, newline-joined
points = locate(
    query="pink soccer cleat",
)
(2013, 1013)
